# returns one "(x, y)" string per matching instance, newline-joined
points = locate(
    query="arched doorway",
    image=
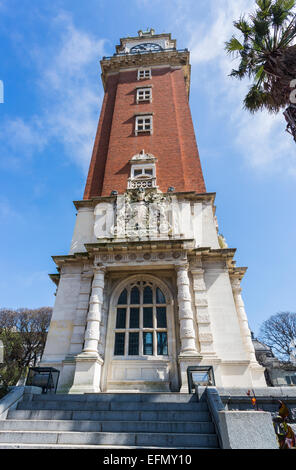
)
(140, 347)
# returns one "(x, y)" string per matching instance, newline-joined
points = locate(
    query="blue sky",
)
(49, 63)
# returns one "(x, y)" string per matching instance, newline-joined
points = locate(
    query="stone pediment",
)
(143, 157)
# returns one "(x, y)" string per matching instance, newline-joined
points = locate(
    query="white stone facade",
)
(169, 241)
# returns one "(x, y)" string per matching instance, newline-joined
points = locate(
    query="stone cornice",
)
(115, 247)
(227, 254)
(147, 245)
(55, 278)
(237, 273)
(208, 251)
(61, 259)
(171, 58)
(179, 247)
(191, 195)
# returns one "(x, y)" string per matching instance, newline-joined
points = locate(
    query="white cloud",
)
(29, 135)
(265, 144)
(72, 86)
(69, 87)
(260, 138)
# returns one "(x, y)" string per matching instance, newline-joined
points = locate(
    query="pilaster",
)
(203, 320)
(243, 320)
(78, 333)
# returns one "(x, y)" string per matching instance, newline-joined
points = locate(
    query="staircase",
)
(107, 420)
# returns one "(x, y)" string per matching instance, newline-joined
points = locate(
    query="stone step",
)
(104, 438)
(170, 416)
(109, 405)
(107, 426)
(121, 397)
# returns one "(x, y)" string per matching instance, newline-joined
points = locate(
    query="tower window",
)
(144, 124)
(143, 171)
(141, 324)
(144, 94)
(142, 176)
(144, 74)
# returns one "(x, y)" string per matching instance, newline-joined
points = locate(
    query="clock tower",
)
(149, 287)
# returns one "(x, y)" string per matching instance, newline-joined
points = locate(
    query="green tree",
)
(23, 333)
(267, 54)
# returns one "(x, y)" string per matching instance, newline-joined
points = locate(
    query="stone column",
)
(243, 320)
(94, 317)
(205, 335)
(188, 354)
(88, 368)
(186, 318)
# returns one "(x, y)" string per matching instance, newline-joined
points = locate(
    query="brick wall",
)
(173, 141)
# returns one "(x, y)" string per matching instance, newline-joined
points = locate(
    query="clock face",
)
(146, 47)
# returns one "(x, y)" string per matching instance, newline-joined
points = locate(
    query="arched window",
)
(141, 321)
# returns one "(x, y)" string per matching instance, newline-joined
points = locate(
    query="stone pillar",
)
(188, 354)
(92, 333)
(89, 363)
(243, 320)
(186, 318)
(205, 335)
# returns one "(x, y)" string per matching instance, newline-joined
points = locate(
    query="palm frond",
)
(255, 99)
(233, 45)
(264, 5)
(267, 54)
(243, 26)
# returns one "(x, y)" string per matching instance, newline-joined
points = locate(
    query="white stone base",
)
(257, 373)
(138, 386)
(139, 375)
(87, 374)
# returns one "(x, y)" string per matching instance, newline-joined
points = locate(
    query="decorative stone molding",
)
(142, 213)
(242, 317)
(141, 256)
(186, 319)
(92, 333)
(205, 335)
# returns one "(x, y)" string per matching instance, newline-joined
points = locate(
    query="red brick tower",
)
(146, 82)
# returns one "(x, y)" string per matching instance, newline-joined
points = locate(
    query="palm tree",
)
(267, 53)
